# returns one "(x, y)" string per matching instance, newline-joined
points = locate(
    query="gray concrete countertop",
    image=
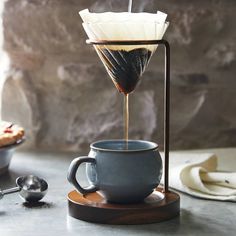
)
(198, 217)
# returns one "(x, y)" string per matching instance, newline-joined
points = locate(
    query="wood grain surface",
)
(93, 208)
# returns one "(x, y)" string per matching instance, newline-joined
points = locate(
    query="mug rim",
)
(153, 146)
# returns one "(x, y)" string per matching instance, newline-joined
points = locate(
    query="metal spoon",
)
(30, 187)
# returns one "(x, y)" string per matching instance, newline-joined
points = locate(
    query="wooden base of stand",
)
(93, 208)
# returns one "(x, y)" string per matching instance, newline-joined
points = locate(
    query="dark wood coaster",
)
(93, 208)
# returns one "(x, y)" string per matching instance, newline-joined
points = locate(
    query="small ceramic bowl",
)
(6, 154)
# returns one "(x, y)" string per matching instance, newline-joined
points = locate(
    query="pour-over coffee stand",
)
(162, 204)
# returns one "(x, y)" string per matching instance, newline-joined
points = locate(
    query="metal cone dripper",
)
(124, 63)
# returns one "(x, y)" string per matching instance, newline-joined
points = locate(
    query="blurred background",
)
(56, 87)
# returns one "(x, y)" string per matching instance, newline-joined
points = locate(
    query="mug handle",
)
(71, 176)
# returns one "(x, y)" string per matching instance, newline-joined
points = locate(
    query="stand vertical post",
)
(166, 115)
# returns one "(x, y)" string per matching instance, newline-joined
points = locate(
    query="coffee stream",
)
(125, 68)
(126, 118)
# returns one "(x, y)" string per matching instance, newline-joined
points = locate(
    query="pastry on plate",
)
(10, 133)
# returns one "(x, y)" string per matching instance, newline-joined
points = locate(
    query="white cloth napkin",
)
(197, 175)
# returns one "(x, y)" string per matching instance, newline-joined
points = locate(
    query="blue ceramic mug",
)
(120, 174)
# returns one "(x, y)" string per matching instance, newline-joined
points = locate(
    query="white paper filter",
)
(124, 26)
